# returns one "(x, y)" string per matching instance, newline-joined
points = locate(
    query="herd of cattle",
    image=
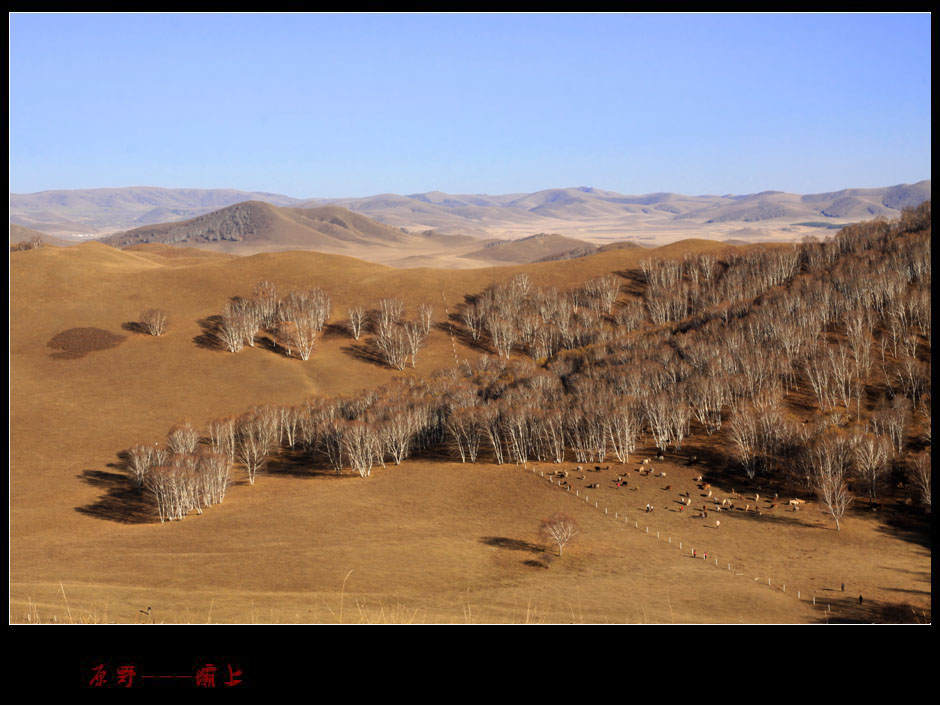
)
(645, 469)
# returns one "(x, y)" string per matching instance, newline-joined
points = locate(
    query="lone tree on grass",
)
(560, 529)
(154, 320)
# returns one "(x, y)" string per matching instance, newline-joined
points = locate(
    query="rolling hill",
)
(578, 212)
(259, 225)
(431, 540)
(69, 211)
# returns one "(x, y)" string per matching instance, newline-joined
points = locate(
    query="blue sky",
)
(331, 105)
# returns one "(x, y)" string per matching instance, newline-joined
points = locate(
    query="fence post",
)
(797, 595)
(680, 545)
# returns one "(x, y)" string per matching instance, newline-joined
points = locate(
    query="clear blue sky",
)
(329, 105)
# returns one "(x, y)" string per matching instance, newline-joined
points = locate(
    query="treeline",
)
(811, 362)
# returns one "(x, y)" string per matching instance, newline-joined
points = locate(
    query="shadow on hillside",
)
(905, 523)
(635, 282)
(331, 331)
(514, 544)
(135, 327)
(848, 611)
(120, 503)
(299, 465)
(366, 353)
(778, 517)
(209, 338)
(267, 343)
(454, 328)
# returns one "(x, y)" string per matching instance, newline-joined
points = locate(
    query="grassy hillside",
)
(428, 541)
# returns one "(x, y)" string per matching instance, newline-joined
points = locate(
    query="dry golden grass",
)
(430, 541)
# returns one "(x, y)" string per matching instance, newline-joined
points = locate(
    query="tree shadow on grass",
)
(366, 354)
(905, 523)
(209, 338)
(542, 561)
(331, 331)
(454, 328)
(120, 503)
(848, 611)
(267, 343)
(298, 464)
(769, 517)
(135, 327)
(514, 544)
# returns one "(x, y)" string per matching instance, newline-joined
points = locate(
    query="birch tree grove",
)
(808, 364)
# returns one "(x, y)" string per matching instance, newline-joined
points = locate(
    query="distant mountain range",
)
(568, 211)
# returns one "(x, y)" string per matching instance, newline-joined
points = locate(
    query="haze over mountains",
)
(587, 212)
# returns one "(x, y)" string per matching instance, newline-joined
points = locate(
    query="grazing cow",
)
(668, 487)
(709, 493)
(580, 469)
(717, 524)
(662, 474)
(707, 486)
(645, 461)
(699, 479)
(796, 502)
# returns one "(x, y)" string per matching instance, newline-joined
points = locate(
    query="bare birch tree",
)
(560, 529)
(154, 320)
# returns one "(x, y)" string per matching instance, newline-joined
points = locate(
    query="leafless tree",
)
(357, 319)
(560, 529)
(230, 332)
(425, 316)
(222, 437)
(183, 438)
(415, 336)
(831, 457)
(265, 294)
(139, 461)
(254, 443)
(872, 453)
(392, 343)
(474, 319)
(244, 317)
(391, 311)
(361, 445)
(154, 320)
(215, 471)
(920, 473)
(744, 434)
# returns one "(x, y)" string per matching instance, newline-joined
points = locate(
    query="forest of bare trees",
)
(806, 362)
